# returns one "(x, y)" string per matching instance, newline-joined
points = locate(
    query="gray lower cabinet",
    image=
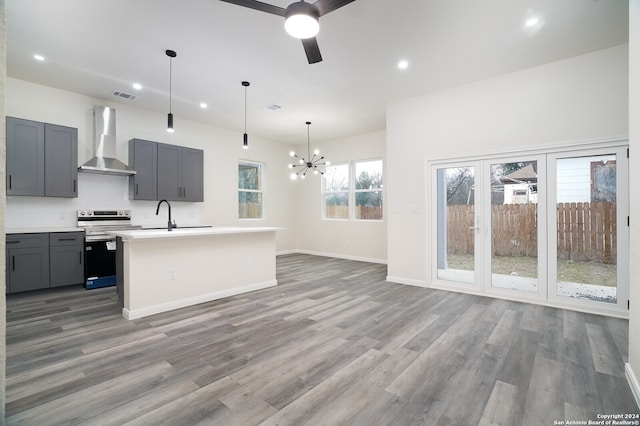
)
(143, 157)
(27, 262)
(42, 159)
(43, 260)
(66, 256)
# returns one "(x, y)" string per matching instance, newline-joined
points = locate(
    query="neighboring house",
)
(586, 179)
(521, 186)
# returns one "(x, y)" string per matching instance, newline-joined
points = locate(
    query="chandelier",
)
(309, 164)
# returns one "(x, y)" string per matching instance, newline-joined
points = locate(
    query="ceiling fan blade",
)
(258, 5)
(326, 6)
(312, 50)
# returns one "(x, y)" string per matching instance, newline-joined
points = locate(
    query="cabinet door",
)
(192, 174)
(67, 265)
(61, 161)
(25, 157)
(143, 157)
(169, 172)
(27, 269)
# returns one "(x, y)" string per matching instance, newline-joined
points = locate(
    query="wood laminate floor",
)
(332, 344)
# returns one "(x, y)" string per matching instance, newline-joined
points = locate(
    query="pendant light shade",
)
(309, 164)
(171, 54)
(245, 137)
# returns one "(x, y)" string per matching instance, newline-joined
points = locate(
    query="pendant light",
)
(309, 164)
(245, 138)
(171, 54)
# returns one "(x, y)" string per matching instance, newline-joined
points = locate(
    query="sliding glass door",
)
(550, 227)
(589, 255)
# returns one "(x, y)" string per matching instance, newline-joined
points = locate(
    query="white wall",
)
(580, 98)
(222, 150)
(360, 240)
(634, 176)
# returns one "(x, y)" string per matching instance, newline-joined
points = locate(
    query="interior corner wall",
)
(3, 146)
(351, 239)
(577, 99)
(634, 177)
(222, 151)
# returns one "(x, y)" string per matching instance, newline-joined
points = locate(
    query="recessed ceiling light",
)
(403, 64)
(532, 22)
(137, 86)
(38, 57)
(203, 105)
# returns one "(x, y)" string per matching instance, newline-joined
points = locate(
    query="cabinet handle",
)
(13, 263)
(136, 189)
(80, 257)
(184, 191)
(75, 189)
(10, 184)
(66, 239)
(13, 242)
(179, 191)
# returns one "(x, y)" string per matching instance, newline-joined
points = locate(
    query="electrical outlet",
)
(172, 274)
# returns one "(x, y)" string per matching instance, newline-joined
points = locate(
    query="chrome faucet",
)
(170, 225)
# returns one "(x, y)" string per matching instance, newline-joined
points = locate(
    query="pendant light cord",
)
(245, 108)
(308, 143)
(170, 79)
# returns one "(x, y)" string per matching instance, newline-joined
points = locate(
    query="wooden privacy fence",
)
(362, 212)
(586, 231)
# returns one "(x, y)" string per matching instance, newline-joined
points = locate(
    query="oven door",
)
(100, 263)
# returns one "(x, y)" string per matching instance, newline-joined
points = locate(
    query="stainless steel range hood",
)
(104, 144)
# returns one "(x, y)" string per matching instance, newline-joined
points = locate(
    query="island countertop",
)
(191, 232)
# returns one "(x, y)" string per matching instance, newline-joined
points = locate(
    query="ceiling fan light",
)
(302, 26)
(301, 20)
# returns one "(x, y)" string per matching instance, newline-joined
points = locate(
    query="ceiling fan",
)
(301, 19)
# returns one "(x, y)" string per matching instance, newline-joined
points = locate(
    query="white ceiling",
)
(94, 47)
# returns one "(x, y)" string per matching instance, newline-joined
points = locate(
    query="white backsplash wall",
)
(96, 192)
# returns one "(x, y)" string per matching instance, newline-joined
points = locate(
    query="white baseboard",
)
(337, 256)
(633, 383)
(407, 281)
(183, 303)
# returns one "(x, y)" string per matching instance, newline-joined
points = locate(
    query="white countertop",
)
(42, 230)
(148, 234)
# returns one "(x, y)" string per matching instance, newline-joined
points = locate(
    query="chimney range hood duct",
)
(104, 145)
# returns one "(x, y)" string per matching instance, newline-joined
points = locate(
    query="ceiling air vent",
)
(271, 107)
(124, 95)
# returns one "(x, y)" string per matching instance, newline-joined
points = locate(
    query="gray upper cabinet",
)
(25, 157)
(143, 157)
(42, 159)
(60, 161)
(180, 173)
(169, 165)
(192, 174)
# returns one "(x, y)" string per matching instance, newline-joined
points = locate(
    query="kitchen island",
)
(161, 270)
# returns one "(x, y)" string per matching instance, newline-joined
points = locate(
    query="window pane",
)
(249, 176)
(586, 228)
(336, 178)
(514, 225)
(369, 174)
(337, 205)
(249, 205)
(369, 205)
(456, 224)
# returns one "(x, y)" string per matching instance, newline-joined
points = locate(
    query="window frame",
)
(261, 190)
(351, 191)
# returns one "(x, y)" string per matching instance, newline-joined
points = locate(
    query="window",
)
(368, 191)
(336, 192)
(357, 184)
(250, 199)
